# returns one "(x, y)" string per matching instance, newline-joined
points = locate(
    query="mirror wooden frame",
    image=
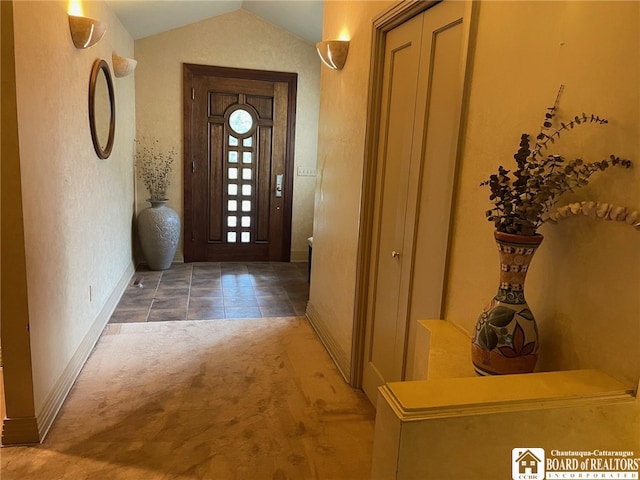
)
(101, 66)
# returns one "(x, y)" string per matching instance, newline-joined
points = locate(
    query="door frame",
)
(189, 71)
(385, 22)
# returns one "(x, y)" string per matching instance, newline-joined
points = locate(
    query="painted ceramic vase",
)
(159, 232)
(505, 340)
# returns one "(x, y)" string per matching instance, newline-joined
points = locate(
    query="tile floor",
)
(210, 291)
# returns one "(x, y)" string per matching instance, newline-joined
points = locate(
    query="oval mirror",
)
(102, 108)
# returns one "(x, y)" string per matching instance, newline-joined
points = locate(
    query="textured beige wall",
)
(77, 208)
(237, 39)
(584, 282)
(343, 106)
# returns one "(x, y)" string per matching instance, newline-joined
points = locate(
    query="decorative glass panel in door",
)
(241, 123)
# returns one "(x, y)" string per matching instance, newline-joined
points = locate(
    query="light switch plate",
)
(306, 171)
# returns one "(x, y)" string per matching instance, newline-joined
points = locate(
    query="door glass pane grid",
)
(240, 179)
(245, 211)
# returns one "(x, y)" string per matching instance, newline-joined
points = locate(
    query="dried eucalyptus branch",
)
(154, 167)
(523, 197)
(602, 210)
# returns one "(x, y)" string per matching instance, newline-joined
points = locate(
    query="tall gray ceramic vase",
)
(159, 232)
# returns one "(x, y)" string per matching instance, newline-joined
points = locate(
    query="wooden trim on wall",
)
(471, 12)
(14, 308)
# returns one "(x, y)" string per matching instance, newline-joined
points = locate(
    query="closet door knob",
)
(395, 254)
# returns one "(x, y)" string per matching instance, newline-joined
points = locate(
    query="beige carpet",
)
(217, 399)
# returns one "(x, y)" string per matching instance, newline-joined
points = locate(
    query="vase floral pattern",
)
(505, 339)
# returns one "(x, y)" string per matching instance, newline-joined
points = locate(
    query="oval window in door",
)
(241, 121)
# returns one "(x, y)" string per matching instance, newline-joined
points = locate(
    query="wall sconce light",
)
(333, 53)
(123, 66)
(85, 31)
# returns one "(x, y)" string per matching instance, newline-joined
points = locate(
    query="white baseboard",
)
(338, 355)
(61, 389)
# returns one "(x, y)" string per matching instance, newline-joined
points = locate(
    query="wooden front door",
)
(238, 164)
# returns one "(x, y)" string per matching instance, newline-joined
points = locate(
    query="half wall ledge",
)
(466, 427)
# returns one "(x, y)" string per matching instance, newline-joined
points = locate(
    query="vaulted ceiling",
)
(142, 18)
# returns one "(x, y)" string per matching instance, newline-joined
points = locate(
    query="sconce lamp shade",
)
(85, 31)
(123, 66)
(333, 53)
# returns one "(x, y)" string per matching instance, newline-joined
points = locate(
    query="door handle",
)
(395, 254)
(279, 185)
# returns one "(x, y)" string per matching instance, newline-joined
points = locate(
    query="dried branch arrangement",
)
(524, 197)
(154, 167)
